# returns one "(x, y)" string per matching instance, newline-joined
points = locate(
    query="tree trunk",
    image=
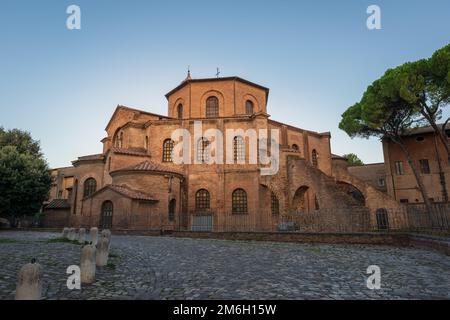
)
(441, 133)
(419, 181)
(441, 173)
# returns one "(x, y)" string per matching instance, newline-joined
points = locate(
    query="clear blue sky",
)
(317, 57)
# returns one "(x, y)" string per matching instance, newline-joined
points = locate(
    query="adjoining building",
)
(135, 184)
(430, 157)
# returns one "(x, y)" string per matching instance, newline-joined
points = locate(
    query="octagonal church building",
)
(135, 183)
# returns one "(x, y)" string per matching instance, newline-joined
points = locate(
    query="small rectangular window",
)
(424, 166)
(399, 168)
(404, 201)
(381, 182)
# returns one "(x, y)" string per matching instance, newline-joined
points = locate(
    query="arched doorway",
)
(300, 200)
(107, 215)
(354, 192)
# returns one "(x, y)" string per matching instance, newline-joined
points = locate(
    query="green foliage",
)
(353, 160)
(21, 140)
(25, 179)
(403, 97)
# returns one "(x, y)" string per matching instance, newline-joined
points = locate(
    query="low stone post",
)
(107, 234)
(87, 266)
(102, 252)
(71, 235)
(29, 282)
(65, 233)
(82, 235)
(94, 235)
(76, 235)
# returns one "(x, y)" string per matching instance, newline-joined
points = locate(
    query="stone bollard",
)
(94, 235)
(76, 235)
(107, 234)
(87, 268)
(71, 235)
(102, 252)
(65, 233)
(82, 235)
(29, 282)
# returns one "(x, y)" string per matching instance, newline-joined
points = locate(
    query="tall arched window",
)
(172, 208)
(90, 185)
(202, 150)
(248, 107)
(314, 157)
(212, 107)
(107, 215)
(202, 200)
(239, 202)
(119, 140)
(180, 111)
(238, 148)
(167, 150)
(275, 204)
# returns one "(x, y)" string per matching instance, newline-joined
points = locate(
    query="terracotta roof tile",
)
(151, 166)
(58, 204)
(130, 151)
(131, 193)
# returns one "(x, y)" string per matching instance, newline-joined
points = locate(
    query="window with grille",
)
(202, 200)
(167, 150)
(314, 157)
(275, 204)
(107, 215)
(382, 219)
(239, 202)
(212, 107)
(90, 185)
(248, 107)
(239, 148)
(202, 150)
(424, 166)
(180, 111)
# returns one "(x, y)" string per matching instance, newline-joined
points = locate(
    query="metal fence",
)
(413, 217)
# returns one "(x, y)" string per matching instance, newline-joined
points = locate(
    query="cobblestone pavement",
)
(178, 268)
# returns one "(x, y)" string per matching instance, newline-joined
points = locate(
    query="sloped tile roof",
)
(151, 166)
(58, 204)
(131, 193)
(130, 151)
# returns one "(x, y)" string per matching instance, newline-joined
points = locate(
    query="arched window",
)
(119, 140)
(90, 185)
(314, 157)
(295, 147)
(202, 150)
(238, 148)
(180, 111)
(107, 215)
(202, 200)
(212, 107)
(248, 107)
(167, 150)
(275, 204)
(239, 202)
(172, 208)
